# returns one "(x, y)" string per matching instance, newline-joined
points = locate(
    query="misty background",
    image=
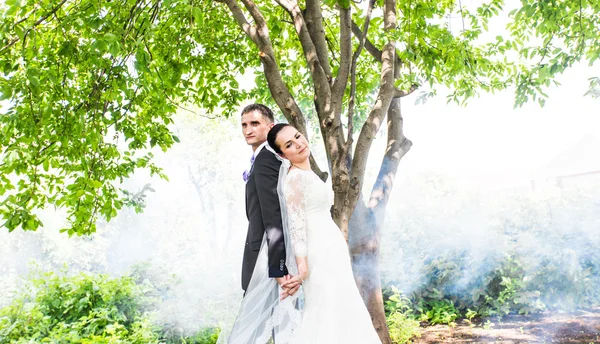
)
(480, 184)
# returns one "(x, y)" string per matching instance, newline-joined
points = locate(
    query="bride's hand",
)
(281, 281)
(292, 285)
(292, 291)
(288, 292)
(285, 293)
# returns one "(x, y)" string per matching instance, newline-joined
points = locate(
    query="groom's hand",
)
(285, 290)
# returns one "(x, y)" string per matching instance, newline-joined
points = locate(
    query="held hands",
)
(290, 285)
(282, 281)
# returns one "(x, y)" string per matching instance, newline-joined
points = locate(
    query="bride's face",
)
(293, 145)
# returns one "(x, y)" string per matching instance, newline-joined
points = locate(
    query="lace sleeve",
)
(295, 199)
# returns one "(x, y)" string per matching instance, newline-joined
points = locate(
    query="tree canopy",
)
(92, 85)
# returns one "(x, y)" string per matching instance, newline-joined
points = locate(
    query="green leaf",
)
(95, 184)
(114, 49)
(66, 49)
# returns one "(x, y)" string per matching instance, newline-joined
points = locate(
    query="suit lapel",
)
(252, 166)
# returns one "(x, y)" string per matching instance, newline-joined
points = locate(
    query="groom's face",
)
(255, 128)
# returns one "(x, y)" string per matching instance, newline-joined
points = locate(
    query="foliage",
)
(551, 36)
(87, 309)
(594, 90)
(91, 87)
(508, 292)
(205, 336)
(401, 321)
(503, 291)
(507, 289)
(159, 287)
(439, 312)
(78, 309)
(431, 301)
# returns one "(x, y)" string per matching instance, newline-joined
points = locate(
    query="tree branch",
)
(372, 49)
(37, 22)
(28, 15)
(314, 23)
(402, 93)
(341, 80)
(320, 80)
(369, 46)
(355, 57)
(397, 146)
(328, 122)
(42, 19)
(335, 132)
(10, 44)
(240, 18)
(331, 46)
(382, 104)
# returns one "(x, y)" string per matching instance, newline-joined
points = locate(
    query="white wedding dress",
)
(334, 311)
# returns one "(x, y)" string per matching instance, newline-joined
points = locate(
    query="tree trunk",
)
(364, 250)
(367, 219)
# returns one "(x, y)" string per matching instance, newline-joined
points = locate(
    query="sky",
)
(489, 135)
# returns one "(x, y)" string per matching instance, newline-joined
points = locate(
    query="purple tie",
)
(246, 173)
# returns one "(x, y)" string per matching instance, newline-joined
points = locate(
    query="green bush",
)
(77, 309)
(511, 287)
(401, 321)
(88, 309)
(205, 336)
(506, 289)
(439, 312)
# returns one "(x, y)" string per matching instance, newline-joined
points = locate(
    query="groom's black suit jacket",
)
(264, 214)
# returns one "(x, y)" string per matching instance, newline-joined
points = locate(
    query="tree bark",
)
(364, 254)
(367, 220)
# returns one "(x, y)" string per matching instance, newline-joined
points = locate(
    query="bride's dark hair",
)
(272, 136)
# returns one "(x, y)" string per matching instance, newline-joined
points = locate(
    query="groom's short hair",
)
(262, 109)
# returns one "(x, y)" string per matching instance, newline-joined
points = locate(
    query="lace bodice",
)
(305, 194)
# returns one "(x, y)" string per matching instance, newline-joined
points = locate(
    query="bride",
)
(328, 309)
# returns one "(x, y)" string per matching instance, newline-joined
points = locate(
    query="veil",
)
(262, 314)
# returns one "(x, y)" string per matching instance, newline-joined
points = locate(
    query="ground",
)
(581, 326)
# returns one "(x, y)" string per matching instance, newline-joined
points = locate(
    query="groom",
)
(262, 202)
